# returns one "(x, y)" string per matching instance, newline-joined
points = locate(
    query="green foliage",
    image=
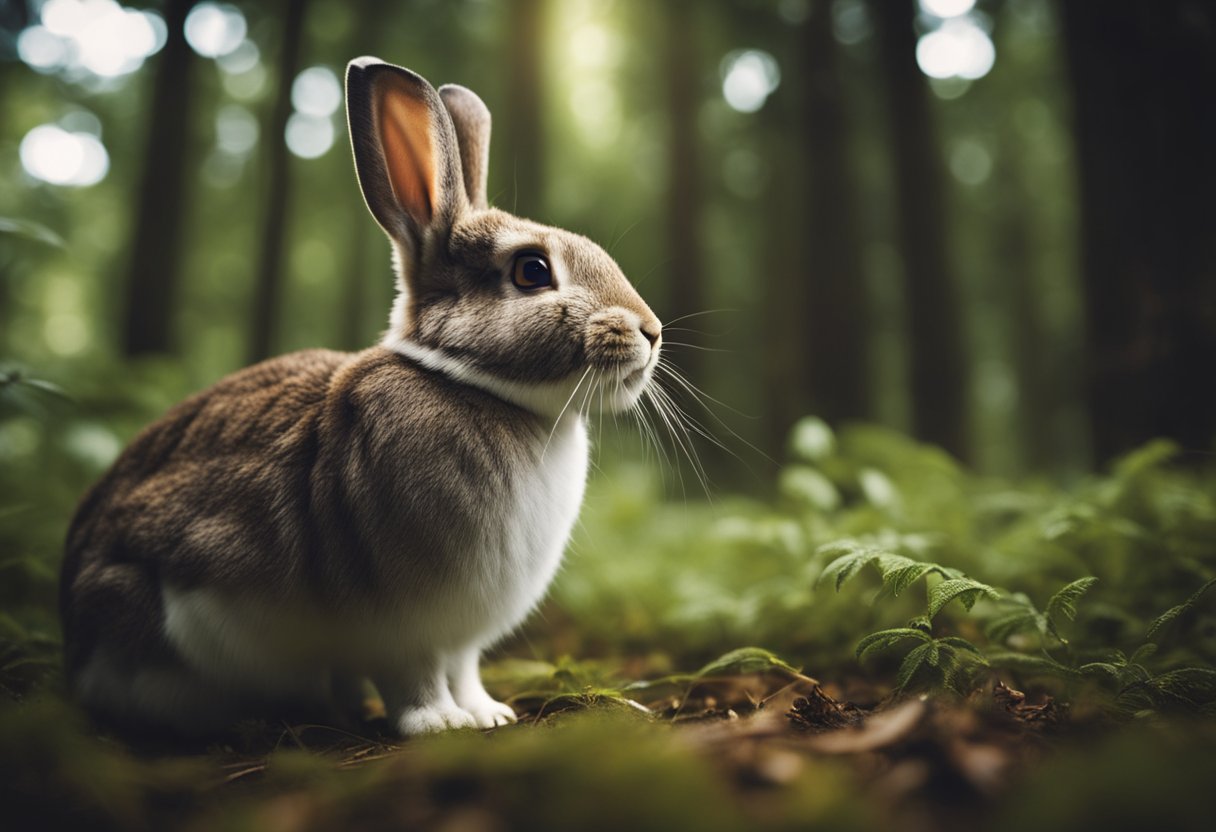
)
(1163, 621)
(1064, 602)
(743, 661)
(27, 230)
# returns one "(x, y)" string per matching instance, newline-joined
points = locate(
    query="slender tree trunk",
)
(268, 287)
(782, 326)
(155, 268)
(1143, 76)
(837, 324)
(1034, 368)
(522, 124)
(685, 270)
(937, 348)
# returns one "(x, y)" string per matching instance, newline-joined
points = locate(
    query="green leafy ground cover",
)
(887, 640)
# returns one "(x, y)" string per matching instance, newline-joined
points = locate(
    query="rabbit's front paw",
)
(427, 719)
(490, 713)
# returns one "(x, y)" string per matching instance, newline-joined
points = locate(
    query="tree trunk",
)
(155, 269)
(1142, 77)
(1036, 369)
(523, 121)
(937, 349)
(686, 276)
(836, 325)
(269, 280)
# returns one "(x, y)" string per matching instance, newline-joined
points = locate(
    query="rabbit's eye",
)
(531, 271)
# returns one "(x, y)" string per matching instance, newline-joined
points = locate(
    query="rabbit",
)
(326, 517)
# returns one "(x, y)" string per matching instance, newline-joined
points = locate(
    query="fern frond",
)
(1000, 629)
(1187, 690)
(1175, 612)
(957, 643)
(885, 639)
(746, 660)
(1031, 665)
(911, 664)
(966, 590)
(1064, 602)
(851, 561)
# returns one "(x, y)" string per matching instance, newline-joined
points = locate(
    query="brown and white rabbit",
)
(386, 514)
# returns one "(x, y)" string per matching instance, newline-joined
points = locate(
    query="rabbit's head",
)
(529, 311)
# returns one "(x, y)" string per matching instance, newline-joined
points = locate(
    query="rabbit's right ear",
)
(471, 118)
(406, 153)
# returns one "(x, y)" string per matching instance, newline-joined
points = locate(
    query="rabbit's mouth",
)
(637, 377)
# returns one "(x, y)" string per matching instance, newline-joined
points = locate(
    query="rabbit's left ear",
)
(471, 118)
(406, 153)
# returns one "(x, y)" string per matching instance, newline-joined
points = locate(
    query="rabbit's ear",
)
(471, 118)
(406, 153)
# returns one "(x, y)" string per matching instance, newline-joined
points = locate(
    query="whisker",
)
(675, 467)
(696, 393)
(667, 344)
(668, 329)
(674, 373)
(582, 408)
(563, 412)
(618, 240)
(698, 427)
(695, 315)
(672, 420)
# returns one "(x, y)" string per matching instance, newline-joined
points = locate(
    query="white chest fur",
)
(543, 511)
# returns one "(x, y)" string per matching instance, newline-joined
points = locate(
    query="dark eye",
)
(531, 271)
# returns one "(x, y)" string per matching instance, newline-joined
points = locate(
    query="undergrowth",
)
(1100, 591)
(880, 568)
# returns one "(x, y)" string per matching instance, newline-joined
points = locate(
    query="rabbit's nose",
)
(652, 330)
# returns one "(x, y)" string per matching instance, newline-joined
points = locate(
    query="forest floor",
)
(766, 750)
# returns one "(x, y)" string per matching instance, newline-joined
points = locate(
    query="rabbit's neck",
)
(549, 400)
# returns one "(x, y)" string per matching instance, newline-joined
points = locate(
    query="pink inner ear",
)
(405, 135)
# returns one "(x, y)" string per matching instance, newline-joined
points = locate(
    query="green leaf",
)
(1150, 455)
(1106, 670)
(1030, 665)
(899, 578)
(30, 231)
(898, 571)
(47, 387)
(1173, 613)
(966, 590)
(812, 439)
(885, 639)
(1185, 690)
(962, 644)
(1000, 629)
(912, 662)
(1064, 602)
(845, 567)
(1143, 653)
(746, 660)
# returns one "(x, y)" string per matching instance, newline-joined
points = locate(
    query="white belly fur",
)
(242, 642)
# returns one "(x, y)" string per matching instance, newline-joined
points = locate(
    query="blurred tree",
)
(782, 327)
(1143, 76)
(937, 351)
(836, 324)
(522, 120)
(268, 284)
(156, 242)
(1030, 345)
(686, 278)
